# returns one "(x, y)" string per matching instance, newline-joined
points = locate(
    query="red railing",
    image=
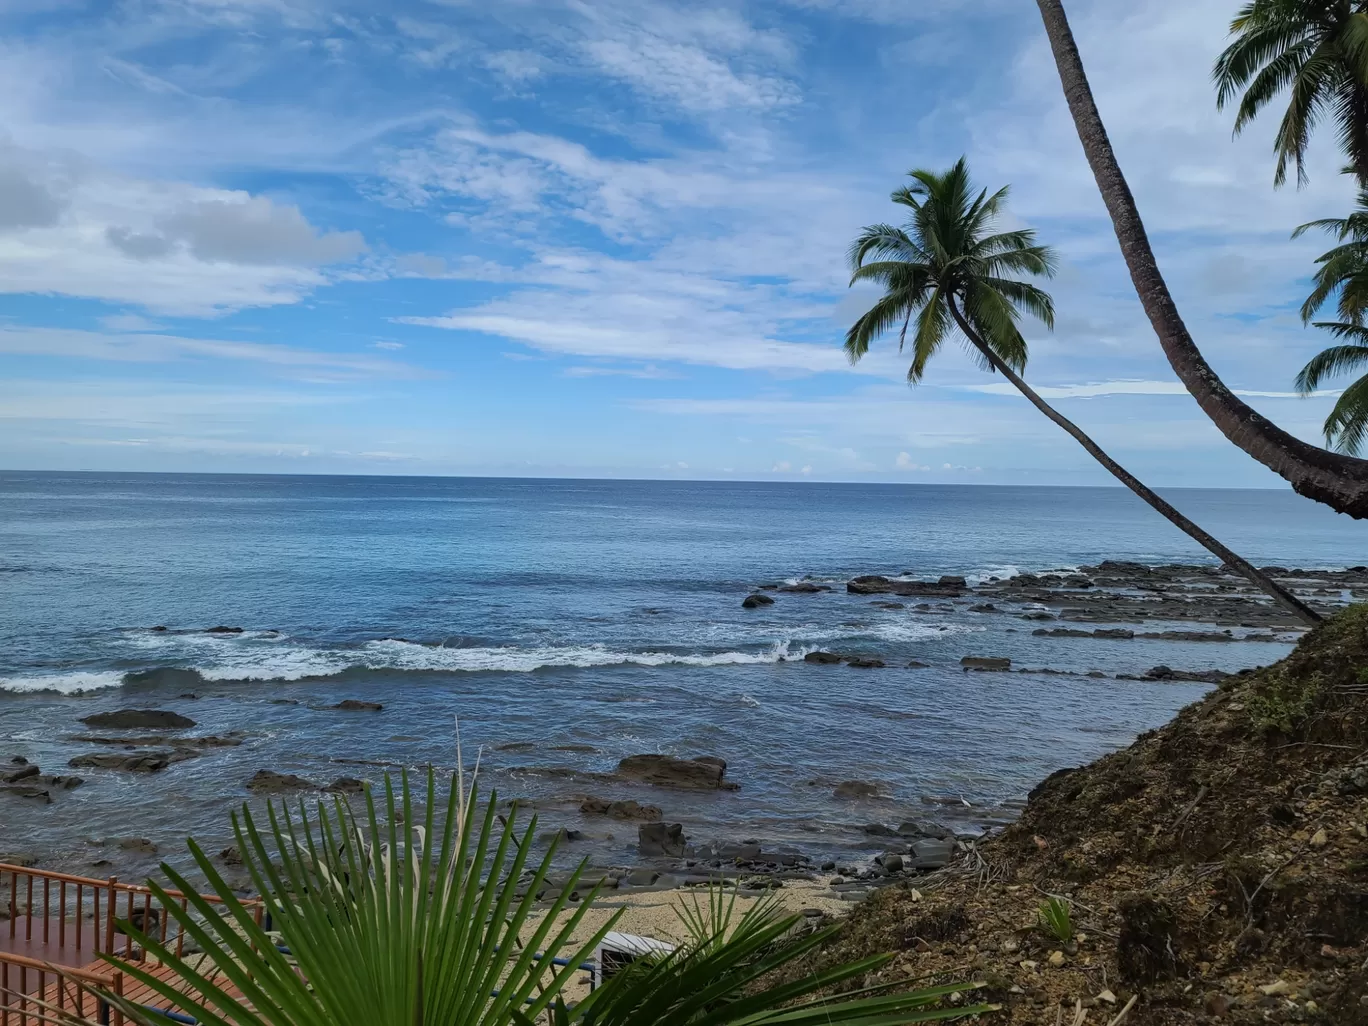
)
(33, 992)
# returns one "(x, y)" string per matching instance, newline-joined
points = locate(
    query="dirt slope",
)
(1217, 868)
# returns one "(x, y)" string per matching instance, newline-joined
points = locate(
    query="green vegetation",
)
(1285, 700)
(1056, 918)
(413, 918)
(1342, 271)
(1317, 50)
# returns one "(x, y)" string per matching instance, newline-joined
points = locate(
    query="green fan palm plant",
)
(1317, 52)
(947, 271)
(409, 915)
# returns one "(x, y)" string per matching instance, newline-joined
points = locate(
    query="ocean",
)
(567, 624)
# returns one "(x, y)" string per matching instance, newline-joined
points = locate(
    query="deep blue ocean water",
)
(601, 615)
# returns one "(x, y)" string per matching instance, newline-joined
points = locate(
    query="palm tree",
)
(946, 269)
(1315, 49)
(1339, 481)
(1343, 271)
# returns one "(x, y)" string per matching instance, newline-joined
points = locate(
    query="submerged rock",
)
(271, 782)
(756, 600)
(223, 630)
(134, 762)
(822, 658)
(856, 789)
(16, 775)
(620, 810)
(865, 662)
(705, 773)
(355, 705)
(135, 719)
(985, 663)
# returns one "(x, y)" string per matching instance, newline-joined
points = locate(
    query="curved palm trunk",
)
(1167, 511)
(1341, 482)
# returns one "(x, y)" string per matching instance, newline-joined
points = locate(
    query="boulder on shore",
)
(138, 719)
(662, 839)
(620, 810)
(705, 773)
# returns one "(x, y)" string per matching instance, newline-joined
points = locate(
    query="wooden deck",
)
(54, 927)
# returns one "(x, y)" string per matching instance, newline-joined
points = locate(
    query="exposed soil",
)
(1217, 869)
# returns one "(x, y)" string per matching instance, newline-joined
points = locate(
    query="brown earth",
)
(1216, 870)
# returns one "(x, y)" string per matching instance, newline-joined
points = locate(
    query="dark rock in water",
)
(889, 605)
(223, 630)
(1122, 633)
(702, 774)
(561, 835)
(346, 785)
(950, 581)
(985, 663)
(756, 600)
(159, 628)
(63, 783)
(620, 810)
(578, 749)
(159, 740)
(16, 775)
(354, 705)
(141, 845)
(18, 760)
(822, 658)
(925, 829)
(856, 789)
(803, 588)
(271, 782)
(865, 663)
(879, 830)
(877, 584)
(138, 719)
(517, 746)
(661, 839)
(1038, 614)
(230, 856)
(1061, 632)
(892, 862)
(134, 762)
(284, 701)
(915, 665)
(31, 792)
(983, 607)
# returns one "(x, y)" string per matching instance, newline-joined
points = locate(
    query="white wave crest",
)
(64, 683)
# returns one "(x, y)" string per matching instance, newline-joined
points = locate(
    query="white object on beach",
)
(617, 950)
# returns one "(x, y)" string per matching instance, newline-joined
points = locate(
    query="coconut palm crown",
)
(948, 267)
(1317, 51)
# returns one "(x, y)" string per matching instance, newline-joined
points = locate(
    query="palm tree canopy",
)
(947, 257)
(1343, 269)
(1317, 51)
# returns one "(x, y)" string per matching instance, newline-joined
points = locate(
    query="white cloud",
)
(245, 229)
(1098, 389)
(904, 461)
(158, 348)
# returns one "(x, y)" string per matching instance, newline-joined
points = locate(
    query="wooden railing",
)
(33, 992)
(56, 924)
(48, 911)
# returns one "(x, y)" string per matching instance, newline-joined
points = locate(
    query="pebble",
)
(1275, 988)
(1056, 958)
(1028, 965)
(1320, 839)
(1107, 996)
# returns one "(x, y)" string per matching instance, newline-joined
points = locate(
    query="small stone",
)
(1275, 988)
(1010, 945)
(915, 894)
(1107, 996)
(1056, 958)
(1029, 965)
(1320, 839)
(1217, 1005)
(922, 946)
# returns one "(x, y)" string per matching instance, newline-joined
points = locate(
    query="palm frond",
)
(1347, 425)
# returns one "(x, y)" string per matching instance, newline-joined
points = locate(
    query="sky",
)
(606, 238)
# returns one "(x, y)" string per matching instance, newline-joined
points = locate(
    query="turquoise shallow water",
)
(604, 616)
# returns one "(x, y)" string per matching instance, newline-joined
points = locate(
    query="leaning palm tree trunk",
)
(1280, 594)
(1339, 481)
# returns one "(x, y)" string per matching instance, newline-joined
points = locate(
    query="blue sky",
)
(602, 238)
